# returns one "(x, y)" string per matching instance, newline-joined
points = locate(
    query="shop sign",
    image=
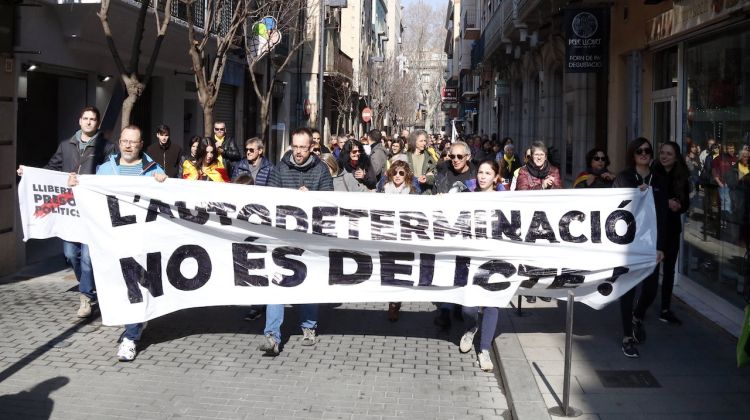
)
(470, 106)
(449, 94)
(586, 39)
(689, 14)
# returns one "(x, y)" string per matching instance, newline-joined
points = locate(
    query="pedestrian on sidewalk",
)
(81, 154)
(301, 170)
(487, 180)
(130, 161)
(673, 168)
(638, 174)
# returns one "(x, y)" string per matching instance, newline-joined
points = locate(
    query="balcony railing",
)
(340, 64)
(470, 23)
(477, 53)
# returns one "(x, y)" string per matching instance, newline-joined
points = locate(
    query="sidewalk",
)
(203, 363)
(685, 372)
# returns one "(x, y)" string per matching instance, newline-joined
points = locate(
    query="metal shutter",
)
(224, 108)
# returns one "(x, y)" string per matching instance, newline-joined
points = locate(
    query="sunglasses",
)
(643, 151)
(316, 150)
(220, 129)
(459, 157)
(399, 173)
(599, 158)
(354, 152)
(249, 150)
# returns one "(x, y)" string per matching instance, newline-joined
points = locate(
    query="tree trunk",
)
(208, 120)
(127, 109)
(264, 123)
(135, 89)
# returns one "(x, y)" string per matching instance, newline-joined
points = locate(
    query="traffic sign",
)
(366, 115)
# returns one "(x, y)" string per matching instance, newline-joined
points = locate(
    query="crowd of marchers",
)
(410, 162)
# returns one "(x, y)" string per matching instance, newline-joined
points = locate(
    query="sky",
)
(441, 3)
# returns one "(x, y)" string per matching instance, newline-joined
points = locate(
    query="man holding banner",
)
(81, 154)
(299, 169)
(130, 161)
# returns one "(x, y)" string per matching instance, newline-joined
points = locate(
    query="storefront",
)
(700, 95)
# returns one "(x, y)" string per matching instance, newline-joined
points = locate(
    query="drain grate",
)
(627, 379)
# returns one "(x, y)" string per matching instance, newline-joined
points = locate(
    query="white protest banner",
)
(48, 207)
(157, 248)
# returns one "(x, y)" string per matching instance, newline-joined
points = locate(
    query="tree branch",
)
(104, 18)
(138, 37)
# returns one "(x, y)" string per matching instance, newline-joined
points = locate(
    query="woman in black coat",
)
(354, 160)
(638, 174)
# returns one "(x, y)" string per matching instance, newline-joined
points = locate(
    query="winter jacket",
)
(112, 166)
(526, 181)
(629, 178)
(428, 169)
(378, 158)
(231, 151)
(446, 177)
(313, 174)
(168, 156)
(345, 181)
(68, 157)
(263, 173)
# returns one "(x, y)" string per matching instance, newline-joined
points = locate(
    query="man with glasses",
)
(254, 163)
(229, 153)
(459, 169)
(130, 161)
(81, 154)
(298, 169)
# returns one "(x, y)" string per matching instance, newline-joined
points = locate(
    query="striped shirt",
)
(130, 170)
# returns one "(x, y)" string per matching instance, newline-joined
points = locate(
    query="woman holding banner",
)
(487, 180)
(597, 173)
(207, 166)
(638, 174)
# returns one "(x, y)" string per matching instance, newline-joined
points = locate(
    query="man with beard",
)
(301, 170)
(459, 169)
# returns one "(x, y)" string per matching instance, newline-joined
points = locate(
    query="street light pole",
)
(321, 63)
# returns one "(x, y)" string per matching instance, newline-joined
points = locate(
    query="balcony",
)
(477, 53)
(525, 7)
(180, 9)
(470, 23)
(510, 16)
(493, 32)
(338, 64)
(469, 86)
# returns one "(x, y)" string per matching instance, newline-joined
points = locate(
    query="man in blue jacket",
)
(130, 161)
(299, 169)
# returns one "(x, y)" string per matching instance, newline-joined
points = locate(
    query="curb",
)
(521, 391)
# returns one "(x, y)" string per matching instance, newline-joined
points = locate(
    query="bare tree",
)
(208, 73)
(291, 23)
(129, 76)
(342, 100)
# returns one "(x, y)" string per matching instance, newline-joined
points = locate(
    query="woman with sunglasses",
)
(538, 173)
(354, 161)
(206, 166)
(486, 180)
(597, 173)
(638, 174)
(398, 180)
(254, 163)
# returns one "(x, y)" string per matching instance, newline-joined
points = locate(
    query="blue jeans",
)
(726, 199)
(308, 314)
(78, 257)
(133, 331)
(489, 324)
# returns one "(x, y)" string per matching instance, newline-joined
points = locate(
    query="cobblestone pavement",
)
(203, 363)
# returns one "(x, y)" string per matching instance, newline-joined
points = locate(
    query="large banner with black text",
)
(160, 247)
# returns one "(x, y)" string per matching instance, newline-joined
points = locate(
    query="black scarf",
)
(592, 171)
(540, 173)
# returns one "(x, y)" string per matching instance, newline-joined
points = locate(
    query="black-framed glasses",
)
(249, 150)
(644, 151)
(399, 173)
(459, 157)
(599, 158)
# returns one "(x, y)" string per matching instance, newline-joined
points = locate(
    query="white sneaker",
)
(126, 351)
(84, 311)
(467, 340)
(485, 361)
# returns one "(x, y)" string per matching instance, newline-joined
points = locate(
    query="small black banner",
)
(586, 40)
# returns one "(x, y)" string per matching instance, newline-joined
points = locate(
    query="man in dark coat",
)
(166, 153)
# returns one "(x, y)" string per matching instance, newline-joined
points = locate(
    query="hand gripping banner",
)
(158, 248)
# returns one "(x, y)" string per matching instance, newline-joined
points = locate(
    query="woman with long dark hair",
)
(487, 180)
(638, 174)
(671, 165)
(354, 160)
(206, 166)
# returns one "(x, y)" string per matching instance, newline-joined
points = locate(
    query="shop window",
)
(665, 69)
(716, 247)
